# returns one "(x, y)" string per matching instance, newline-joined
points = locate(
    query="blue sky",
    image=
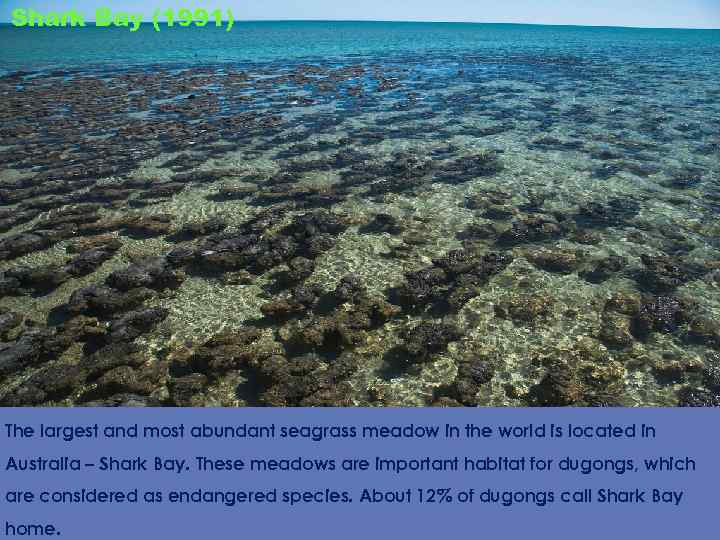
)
(644, 13)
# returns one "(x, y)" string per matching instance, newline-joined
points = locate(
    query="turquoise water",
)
(378, 214)
(262, 41)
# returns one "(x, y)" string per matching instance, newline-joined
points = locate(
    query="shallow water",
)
(547, 230)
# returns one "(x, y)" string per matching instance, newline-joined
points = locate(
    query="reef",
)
(516, 229)
(450, 282)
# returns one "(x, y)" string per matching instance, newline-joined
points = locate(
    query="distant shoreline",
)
(371, 21)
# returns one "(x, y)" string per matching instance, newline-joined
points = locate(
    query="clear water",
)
(621, 120)
(24, 48)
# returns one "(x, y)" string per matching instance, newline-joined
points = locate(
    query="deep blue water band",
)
(26, 49)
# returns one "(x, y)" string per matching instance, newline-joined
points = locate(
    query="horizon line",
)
(703, 28)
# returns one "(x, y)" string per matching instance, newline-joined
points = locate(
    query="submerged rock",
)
(148, 226)
(658, 314)
(382, 223)
(203, 228)
(105, 301)
(614, 213)
(427, 339)
(90, 260)
(664, 274)
(188, 391)
(307, 381)
(482, 164)
(604, 269)
(473, 372)
(703, 330)
(560, 387)
(21, 244)
(9, 325)
(616, 329)
(689, 396)
(530, 230)
(525, 308)
(33, 347)
(151, 273)
(355, 313)
(453, 279)
(135, 323)
(561, 262)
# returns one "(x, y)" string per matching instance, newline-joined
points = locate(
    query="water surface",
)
(326, 213)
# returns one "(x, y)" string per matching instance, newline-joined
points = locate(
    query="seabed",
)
(387, 230)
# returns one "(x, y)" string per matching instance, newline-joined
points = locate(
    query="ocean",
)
(250, 42)
(360, 214)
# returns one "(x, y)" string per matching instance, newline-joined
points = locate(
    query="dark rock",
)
(685, 179)
(626, 304)
(122, 400)
(350, 289)
(300, 269)
(453, 280)
(82, 328)
(604, 269)
(558, 388)
(152, 273)
(478, 231)
(104, 301)
(51, 383)
(109, 242)
(204, 228)
(561, 262)
(227, 351)
(614, 213)
(658, 314)
(185, 390)
(345, 327)
(180, 256)
(22, 244)
(90, 260)
(8, 285)
(483, 164)
(162, 190)
(315, 223)
(122, 380)
(664, 274)
(530, 230)
(281, 308)
(669, 372)
(135, 323)
(148, 226)
(422, 287)
(525, 308)
(25, 396)
(32, 348)
(239, 192)
(9, 324)
(307, 381)
(427, 339)
(21, 354)
(698, 397)
(471, 376)
(317, 245)
(41, 279)
(382, 223)
(110, 357)
(446, 401)
(615, 330)
(704, 331)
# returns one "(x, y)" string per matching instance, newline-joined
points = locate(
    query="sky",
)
(638, 13)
